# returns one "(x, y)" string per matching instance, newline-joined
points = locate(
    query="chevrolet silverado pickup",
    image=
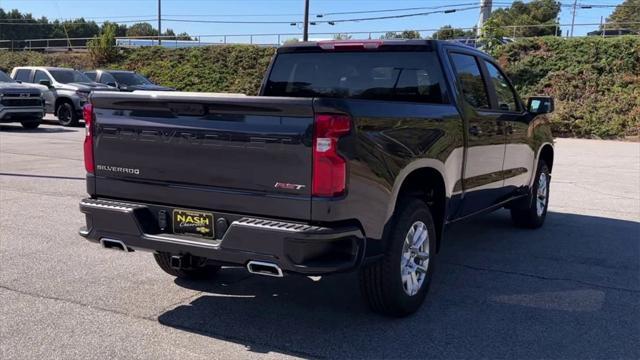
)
(68, 90)
(20, 103)
(355, 156)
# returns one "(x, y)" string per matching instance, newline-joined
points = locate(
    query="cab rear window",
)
(393, 75)
(23, 75)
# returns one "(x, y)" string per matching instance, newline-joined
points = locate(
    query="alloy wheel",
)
(543, 194)
(415, 258)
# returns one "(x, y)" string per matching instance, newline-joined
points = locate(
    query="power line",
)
(62, 23)
(449, 9)
(392, 10)
(331, 22)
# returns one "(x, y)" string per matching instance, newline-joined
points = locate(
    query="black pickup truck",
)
(355, 156)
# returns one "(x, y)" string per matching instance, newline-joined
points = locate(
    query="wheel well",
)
(546, 154)
(59, 101)
(427, 184)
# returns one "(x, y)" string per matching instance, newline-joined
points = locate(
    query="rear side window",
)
(470, 80)
(23, 75)
(395, 76)
(91, 75)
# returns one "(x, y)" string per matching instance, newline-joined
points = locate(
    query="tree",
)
(121, 29)
(103, 50)
(491, 35)
(184, 36)
(38, 30)
(76, 28)
(448, 32)
(146, 30)
(407, 34)
(142, 29)
(171, 35)
(627, 12)
(291, 41)
(536, 12)
(341, 36)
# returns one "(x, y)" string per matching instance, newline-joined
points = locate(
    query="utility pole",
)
(485, 12)
(573, 18)
(305, 35)
(159, 22)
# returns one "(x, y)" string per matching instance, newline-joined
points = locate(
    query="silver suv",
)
(20, 103)
(70, 90)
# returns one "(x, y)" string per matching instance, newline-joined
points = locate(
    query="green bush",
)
(595, 81)
(9, 60)
(232, 68)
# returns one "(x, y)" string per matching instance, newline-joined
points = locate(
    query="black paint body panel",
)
(225, 153)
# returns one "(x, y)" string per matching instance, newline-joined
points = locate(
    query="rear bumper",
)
(294, 247)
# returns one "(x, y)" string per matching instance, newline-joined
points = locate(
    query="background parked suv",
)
(69, 90)
(124, 80)
(20, 103)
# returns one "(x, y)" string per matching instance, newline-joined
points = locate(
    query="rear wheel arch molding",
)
(425, 180)
(546, 153)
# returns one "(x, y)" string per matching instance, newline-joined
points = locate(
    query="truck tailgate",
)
(249, 155)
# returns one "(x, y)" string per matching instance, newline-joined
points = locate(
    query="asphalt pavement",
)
(568, 290)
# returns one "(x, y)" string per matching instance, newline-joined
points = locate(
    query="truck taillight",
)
(87, 114)
(329, 168)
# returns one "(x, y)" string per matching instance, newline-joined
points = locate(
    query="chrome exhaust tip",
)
(264, 268)
(114, 245)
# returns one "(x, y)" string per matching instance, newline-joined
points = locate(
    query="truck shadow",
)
(499, 292)
(17, 128)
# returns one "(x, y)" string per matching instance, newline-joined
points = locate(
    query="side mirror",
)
(540, 105)
(46, 83)
(112, 84)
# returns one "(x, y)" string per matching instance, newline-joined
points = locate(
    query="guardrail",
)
(267, 39)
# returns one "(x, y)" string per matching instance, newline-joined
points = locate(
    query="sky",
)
(282, 10)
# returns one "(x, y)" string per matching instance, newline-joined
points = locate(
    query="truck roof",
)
(43, 67)
(116, 71)
(396, 44)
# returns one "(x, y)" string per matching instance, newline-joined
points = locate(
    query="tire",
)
(199, 271)
(66, 114)
(30, 124)
(532, 214)
(382, 282)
